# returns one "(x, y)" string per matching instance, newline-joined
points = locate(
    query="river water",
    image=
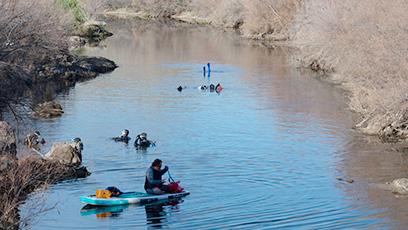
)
(263, 153)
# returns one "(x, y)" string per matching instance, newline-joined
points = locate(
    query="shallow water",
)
(263, 153)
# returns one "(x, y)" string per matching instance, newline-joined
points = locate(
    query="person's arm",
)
(163, 171)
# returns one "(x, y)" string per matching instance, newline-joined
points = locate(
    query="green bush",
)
(77, 11)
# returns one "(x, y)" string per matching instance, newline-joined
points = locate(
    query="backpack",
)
(174, 187)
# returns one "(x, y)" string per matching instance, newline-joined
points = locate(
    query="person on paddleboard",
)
(153, 182)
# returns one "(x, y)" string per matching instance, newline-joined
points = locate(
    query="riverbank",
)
(349, 45)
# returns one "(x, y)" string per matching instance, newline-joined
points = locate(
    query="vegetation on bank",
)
(360, 46)
(76, 9)
(34, 52)
(31, 33)
(20, 178)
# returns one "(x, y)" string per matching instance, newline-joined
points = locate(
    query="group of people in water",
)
(154, 184)
(212, 88)
(141, 141)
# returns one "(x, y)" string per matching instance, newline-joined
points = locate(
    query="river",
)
(265, 152)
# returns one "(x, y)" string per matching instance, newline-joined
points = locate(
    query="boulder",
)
(48, 109)
(75, 42)
(96, 64)
(65, 153)
(94, 31)
(400, 186)
(7, 140)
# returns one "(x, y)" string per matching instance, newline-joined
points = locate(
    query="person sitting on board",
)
(142, 142)
(124, 137)
(153, 182)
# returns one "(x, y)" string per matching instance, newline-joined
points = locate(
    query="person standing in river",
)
(34, 141)
(153, 181)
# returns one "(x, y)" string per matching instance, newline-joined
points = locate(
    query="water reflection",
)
(155, 215)
(103, 212)
(155, 212)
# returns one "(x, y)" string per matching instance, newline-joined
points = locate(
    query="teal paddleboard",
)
(130, 198)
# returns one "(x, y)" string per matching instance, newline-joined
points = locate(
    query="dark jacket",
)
(154, 178)
(142, 142)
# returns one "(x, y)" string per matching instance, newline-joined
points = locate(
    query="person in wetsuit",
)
(141, 141)
(34, 141)
(153, 181)
(124, 137)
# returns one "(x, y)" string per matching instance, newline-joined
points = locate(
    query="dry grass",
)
(364, 46)
(258, 19)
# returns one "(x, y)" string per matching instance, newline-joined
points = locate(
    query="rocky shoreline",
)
(21, 176)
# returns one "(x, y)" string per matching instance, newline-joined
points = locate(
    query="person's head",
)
(143, 135)
(125, 133)
(37, 133)
(157, 164)
(76, 140)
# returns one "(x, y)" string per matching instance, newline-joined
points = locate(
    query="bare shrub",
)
(268, 17)
(225, 13)
(364, 44)
(30, 31)
(158, 8)
(20, 179)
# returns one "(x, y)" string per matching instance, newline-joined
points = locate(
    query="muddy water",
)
(263, 153)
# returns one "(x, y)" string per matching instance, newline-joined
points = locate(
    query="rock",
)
(96, 64)
(48, 109)
(65, 153)
(315, 66)
(94, 31)
(80, 172)
(346, 180)
(7, 140)
(76, 42)
(400, 186)
(73, 68)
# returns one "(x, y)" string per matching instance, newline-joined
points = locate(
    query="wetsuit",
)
(122, 139)
(142, 142)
